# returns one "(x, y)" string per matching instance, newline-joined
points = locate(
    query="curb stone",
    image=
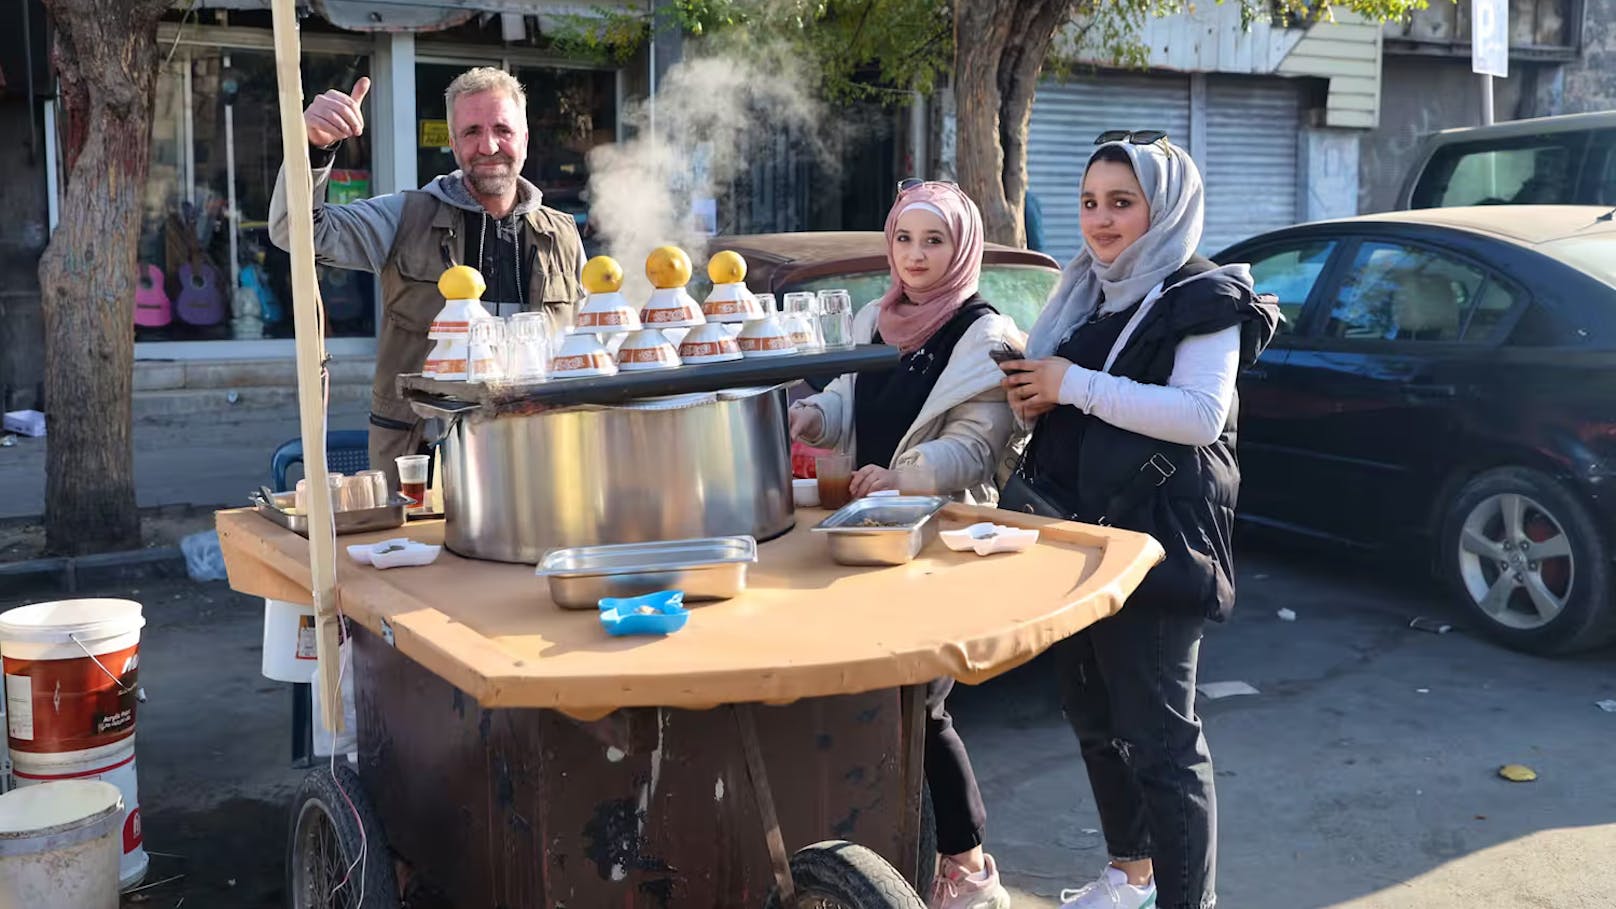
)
(70, 574)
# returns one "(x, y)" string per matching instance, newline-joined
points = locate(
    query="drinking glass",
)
(802, 321)
(835, 475)
(486, 354)
(530, 344)
(836, 319)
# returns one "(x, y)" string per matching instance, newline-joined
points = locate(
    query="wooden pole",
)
(306, 311)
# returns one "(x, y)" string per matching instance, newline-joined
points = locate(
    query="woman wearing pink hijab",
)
(938, 423)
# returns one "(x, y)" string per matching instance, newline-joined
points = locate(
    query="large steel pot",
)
(517, 485)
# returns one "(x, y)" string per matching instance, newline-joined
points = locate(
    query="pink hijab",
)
(909, 319)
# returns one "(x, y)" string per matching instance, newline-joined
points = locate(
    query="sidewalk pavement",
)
(209, 458)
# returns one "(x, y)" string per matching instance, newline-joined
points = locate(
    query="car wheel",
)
(1526, 560)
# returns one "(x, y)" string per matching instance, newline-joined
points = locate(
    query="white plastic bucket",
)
(5, 753)
(71, 672)
(114, 764)
(289, 641)
(59, 846)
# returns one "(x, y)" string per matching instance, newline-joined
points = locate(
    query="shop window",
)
(205, 276)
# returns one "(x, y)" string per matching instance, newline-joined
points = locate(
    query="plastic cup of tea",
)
(412, 471)
(835, 473)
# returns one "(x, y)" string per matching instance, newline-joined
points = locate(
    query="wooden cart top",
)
(805, 626)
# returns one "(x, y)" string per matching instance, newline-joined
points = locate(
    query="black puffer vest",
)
(1191, 513)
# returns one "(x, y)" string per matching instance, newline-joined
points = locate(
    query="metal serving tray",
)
(907, 526)
(360, 521)
(712, 568)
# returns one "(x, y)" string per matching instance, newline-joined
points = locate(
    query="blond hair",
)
(484, 79)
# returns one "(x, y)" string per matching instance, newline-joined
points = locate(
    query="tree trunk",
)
(106, 57)
(999, 50)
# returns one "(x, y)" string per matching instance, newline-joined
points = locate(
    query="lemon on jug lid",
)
(726, 267)
(668, 267)
(462, 282)
(602, 275)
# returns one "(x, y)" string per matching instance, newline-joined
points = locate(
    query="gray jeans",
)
(1128, 690)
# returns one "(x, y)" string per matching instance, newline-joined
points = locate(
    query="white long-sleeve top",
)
(1189, 410)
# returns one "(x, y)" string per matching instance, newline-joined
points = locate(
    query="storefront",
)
(1241, 130)
(212, 286)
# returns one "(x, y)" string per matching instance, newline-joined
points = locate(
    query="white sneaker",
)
(1110, 891)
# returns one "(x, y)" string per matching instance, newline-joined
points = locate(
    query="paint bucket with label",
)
(289, 641)
(72, 680)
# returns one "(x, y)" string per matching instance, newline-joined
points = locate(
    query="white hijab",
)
(1172, 184)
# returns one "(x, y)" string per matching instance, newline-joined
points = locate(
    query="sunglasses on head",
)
(1133, 136)
(911, 182)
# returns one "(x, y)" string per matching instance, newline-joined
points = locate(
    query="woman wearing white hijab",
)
(1129, 386)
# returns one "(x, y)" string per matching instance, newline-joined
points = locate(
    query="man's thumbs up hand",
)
(334, 115)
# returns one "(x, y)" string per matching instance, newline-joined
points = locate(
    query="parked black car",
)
(1447, 378)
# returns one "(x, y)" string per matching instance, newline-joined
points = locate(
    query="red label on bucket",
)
(71, 705)
(131, 831)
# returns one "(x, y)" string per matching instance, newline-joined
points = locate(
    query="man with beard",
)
(484, 215)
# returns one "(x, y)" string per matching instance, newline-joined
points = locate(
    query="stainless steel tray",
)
(712, 568)
(906, 527)
(360, 521)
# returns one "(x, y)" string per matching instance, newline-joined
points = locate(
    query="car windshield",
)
(1018, 291)
(1594, 254)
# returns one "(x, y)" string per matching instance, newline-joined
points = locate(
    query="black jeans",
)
(1128, 689)
(955, 800)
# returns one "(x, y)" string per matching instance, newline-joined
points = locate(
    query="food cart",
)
(515, 755)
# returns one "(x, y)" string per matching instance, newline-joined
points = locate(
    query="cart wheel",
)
(333, 825)
(837, 874)
(926, 845)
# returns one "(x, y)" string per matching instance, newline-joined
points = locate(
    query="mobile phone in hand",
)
(1004, 353)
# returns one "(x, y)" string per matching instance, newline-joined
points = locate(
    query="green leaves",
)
(869, 48)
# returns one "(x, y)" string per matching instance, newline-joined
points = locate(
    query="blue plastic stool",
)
(346, 451)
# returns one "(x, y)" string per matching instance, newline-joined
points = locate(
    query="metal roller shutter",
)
(1065, 119)
(1250, 162)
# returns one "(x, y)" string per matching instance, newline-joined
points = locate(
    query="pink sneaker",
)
(956, 888)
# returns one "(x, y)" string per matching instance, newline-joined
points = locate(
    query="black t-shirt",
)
(885, 404)
(498, 264)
